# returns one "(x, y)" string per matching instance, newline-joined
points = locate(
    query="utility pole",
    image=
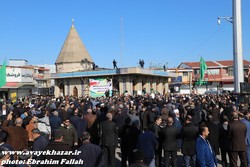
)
(237, 46)
(122, 43)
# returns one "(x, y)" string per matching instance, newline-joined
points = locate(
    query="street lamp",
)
(237, 44)
(230, 19)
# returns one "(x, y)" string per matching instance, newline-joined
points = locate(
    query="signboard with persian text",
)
(19, 75)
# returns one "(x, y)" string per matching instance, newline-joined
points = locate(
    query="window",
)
(230, 72)
(196, 71)
(185, 73)
(245, 71)
(214, 71)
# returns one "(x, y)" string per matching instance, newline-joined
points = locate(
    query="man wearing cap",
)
(40, 142)
(177, 124)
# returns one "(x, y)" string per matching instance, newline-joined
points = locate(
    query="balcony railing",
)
(213, 77)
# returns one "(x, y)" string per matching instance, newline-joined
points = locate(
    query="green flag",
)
(203, 67)
(3, 74)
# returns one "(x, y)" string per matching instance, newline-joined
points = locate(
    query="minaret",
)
(73, 55)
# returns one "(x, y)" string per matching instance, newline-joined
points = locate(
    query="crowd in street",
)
(149, 130)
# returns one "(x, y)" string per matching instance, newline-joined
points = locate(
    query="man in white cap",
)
(177, 124)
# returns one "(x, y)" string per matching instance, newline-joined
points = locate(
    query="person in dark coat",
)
(178, 125)
(147, 143)
(4, 157)
(151, 116)
(25, 157)
(109, 139)
(237, 145)
(90, 117)
(71, 109)
(4, 111)
(170, 135)
(213, 136)
(143, 116)
(115, 64)
(91, 154)
(93, 127)
(40, 142)
(119, 118)
(125, 135)
(69, 133)
(79, 123)
(247, 123)
(62, 112)
(138, 158)
(195, 112)
(55, 123)
(223, 140)
(215, 112)
(189, 134)
(134, 132)
(156, 129)
(57, 145)
(3, 138)
(164, 113)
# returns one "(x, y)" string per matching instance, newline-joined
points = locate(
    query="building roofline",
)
(110, 72)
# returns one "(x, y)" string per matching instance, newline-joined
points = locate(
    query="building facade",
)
(219, 75)
(22, 78)
(76, 74)
(130, 80)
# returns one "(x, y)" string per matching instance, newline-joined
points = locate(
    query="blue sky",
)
(158, 31)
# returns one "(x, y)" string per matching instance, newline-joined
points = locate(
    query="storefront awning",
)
(15, 85)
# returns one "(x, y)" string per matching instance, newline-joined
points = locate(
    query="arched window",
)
(61, 87)
(75, 92)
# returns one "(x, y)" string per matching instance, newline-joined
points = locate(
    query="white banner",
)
(19, 75)
(98, 87)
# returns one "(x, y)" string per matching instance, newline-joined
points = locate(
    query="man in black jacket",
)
(91, 154)
(156, 129)
(237, 145)
(189, 134)
(125, 142)
(170, 134)
(58, 145)
(213, 136)
(40, 142)
(109, 139)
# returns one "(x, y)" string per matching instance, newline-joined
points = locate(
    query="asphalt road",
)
(179, 159)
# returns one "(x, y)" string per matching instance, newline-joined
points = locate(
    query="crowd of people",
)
(149, 130)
